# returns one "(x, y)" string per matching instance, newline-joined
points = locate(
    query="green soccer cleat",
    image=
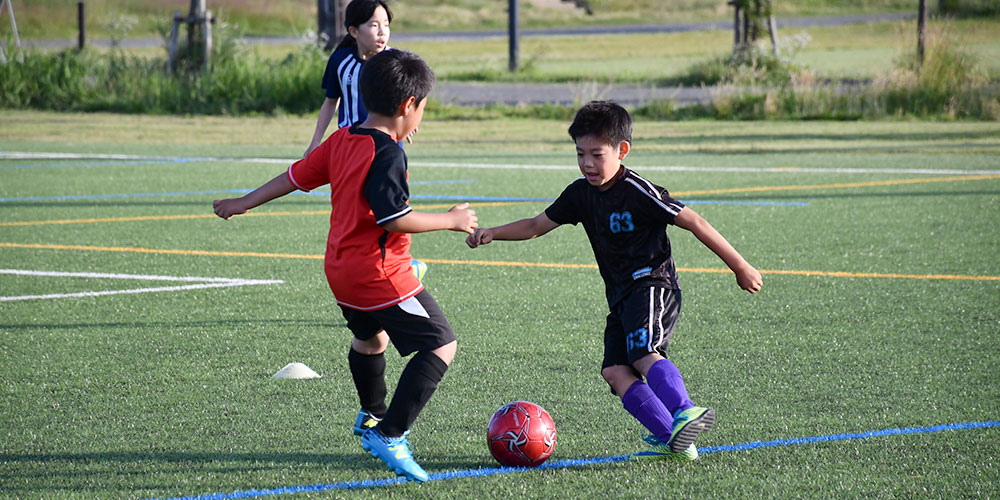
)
(396, 452)
(658, 450)
(364, 422)
(687, 425)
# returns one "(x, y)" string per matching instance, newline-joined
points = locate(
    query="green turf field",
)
(879, 321)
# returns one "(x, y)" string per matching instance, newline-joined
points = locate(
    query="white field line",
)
(201, 283)
(431, 164)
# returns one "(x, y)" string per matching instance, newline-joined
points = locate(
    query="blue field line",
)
(412, 197)
(581, 462)
(190, 193)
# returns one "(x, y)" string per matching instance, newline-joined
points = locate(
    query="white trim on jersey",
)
(649, 191)
(294, 182)
(348, 74)
(385, 304)
(394, 216)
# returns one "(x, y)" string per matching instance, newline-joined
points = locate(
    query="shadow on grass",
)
(175, 324)
(137, 472)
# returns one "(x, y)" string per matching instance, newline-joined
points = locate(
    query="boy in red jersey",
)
(368, 252)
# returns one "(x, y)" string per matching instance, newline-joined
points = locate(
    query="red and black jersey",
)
(367, 266)
(627, 229)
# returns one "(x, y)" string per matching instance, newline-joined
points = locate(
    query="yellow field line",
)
(213, 216)
(833, 274)
(498, 204)
(839, 186)
(159, 251)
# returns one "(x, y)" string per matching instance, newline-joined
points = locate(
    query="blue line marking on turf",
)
(412, 197)
(580, 462)
(187, 193)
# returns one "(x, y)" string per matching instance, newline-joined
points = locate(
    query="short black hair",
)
(391, 76)
(605, 120)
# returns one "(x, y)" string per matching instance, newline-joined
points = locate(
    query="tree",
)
(750, 17)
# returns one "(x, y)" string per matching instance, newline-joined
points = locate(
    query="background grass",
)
(169, 394)
(57, 19)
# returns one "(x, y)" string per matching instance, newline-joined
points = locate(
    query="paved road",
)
(476, 93)
(482, 93)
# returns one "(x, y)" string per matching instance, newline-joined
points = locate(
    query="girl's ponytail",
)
(347, 41)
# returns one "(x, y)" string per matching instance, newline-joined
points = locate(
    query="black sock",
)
(416, 385)
(368, 371)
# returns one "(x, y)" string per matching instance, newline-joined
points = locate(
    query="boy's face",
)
(373, 34)
(415, 113)
(599, 162)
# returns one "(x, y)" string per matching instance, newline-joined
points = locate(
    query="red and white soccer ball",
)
(521, 434)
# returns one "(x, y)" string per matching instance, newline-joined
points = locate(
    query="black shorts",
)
(640, 324)
(416, 324)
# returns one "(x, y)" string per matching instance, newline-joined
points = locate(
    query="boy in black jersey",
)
(626, 217)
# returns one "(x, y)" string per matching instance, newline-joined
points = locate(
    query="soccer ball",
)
(419, 269)
(521, 434)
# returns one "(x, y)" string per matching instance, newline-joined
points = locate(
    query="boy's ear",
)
(623, 150)
(408, 106)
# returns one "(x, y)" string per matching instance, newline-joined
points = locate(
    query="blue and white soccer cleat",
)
(396, 452)
(688, 424)
(364, 422)
(658, 450)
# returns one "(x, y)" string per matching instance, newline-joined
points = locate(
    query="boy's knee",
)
(447, 351)
(619, 377)
(374, 345)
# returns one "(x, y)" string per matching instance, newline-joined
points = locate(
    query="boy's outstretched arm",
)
(458, 218)
(274, 188)
(524, 229)
(746, 276)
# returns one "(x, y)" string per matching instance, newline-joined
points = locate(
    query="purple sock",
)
(666, 382)
(640, 401)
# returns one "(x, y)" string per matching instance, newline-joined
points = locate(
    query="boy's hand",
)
(228, 207)
(481, 236)
(465, 220)
(749, 279)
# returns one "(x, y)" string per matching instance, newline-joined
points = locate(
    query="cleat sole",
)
(686, 436)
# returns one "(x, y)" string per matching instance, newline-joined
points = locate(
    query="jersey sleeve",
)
(312, 171)
(565, 210)
(657, 202)
(331, 83)
(385, 185)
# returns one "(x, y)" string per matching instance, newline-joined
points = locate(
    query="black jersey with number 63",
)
(627, 228)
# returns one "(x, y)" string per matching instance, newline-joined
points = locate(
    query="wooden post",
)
(81, 22)
(330, 22)
(921, 31)
(196, 12)
(512, 36)
(206, 31)
(746, 28)
(13, 25)
(172, 51)
(772, 27)
(339, 16)
(736, 24)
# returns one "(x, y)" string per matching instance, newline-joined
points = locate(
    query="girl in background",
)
(367, 23)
